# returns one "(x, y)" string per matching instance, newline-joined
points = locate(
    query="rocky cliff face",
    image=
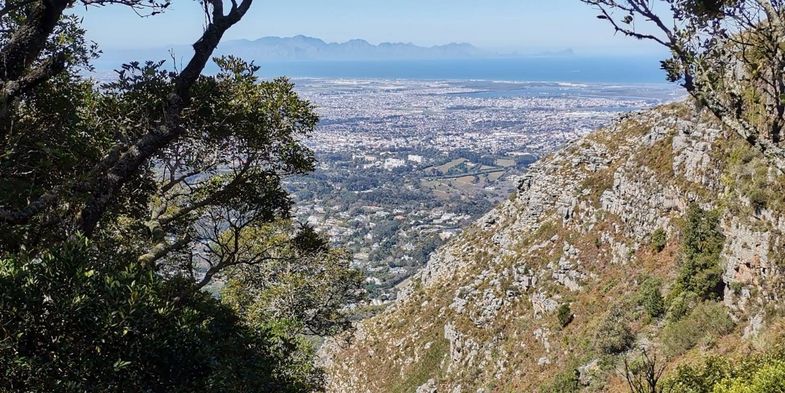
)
(523, 300)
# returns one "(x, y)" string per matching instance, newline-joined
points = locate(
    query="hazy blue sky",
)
(504, 25)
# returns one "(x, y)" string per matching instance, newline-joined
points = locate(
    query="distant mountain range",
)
(302, 48)
(309, 48)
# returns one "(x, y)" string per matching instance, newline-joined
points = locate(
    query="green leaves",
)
(613, 335)
(702, 243)
(727, 54)
(751, 374)
(170, 182)
(120, 364)
(564, 315)
(126, 328)
(299, 279)
(659, 239)
(650, 297)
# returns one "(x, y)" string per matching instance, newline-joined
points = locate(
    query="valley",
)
(404, 165)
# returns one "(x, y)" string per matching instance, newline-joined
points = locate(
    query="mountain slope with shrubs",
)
(647, 253)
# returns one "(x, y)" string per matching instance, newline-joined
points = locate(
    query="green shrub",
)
(768, 379)
(700, 379)
(564, 382)
(74, 322)
(658, 240)
(759, 198)
(680, 303)
(706, 320)
(565, 315)
(702, 244)
(753, 374)
(650, 298)
(613, 336)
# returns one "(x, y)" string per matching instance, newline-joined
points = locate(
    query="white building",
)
(392, 163)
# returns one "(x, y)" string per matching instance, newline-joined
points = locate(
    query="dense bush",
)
(564, 382)
(564, 314)
(650, 298)
(680, 303)
(613, 335)
(707, 319)
(768, 379)
(756, 374)
(81, 323)
(703, 378)
(702, 242)
(658, 240)
(123, 202)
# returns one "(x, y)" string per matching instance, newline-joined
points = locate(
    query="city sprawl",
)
(404, 164)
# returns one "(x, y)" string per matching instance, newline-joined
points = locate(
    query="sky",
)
(505, 26)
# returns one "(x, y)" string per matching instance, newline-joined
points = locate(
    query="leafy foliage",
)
(305, 286)
(702, 243)
(680, 303)
(121, 202)
(754, 374)
(726, 53)
(564, 314)
(768, 379)
(707, 319)
(613, 335)
(74, 321)
(650, 298)
(564, 382)
(658, 240)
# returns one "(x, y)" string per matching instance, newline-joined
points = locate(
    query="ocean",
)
(577, 69)
(574, 68)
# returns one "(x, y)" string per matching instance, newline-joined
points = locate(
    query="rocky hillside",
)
(660, 232)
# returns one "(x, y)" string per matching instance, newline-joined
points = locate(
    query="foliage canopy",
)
(727, 54)
(121, 202)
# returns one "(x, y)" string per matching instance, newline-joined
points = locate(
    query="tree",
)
(727, 54)
(613, 335)
(157, 148)
(304, 284)
(167, 179)
(564, 315)
(650, 298)
(75, 321)
(644, 374)
(700, 271)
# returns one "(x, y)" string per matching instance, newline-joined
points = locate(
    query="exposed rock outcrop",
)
(577, 233)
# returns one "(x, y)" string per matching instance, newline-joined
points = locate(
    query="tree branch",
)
(29, 40)
(163, 249)
(107, 185)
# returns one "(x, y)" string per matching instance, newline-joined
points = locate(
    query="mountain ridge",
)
(302, 47)
(553, 288)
